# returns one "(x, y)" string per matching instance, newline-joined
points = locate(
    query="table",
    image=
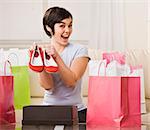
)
(61, 127)
(83, 126)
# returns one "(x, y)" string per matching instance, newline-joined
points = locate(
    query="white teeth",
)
(65, 36)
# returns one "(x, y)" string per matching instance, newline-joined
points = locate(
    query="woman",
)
(64, 86)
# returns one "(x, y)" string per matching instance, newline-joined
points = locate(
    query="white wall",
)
(21, 24)
(136, 24)
(20, 20)
(148, 24)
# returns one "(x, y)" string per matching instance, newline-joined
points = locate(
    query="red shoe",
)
(49, 63)
(36, 60)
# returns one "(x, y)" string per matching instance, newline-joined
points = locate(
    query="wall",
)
(136, 24)
(148, 34)
(21, 22)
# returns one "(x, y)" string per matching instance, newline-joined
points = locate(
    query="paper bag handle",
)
(100, 67)
(7, 61)
(17, 58)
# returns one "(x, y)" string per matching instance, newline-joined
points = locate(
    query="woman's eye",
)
(62, 26)
(70, 26)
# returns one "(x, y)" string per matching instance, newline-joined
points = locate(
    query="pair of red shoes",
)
(40, 60)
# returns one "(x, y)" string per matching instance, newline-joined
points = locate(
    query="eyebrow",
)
(64, 23)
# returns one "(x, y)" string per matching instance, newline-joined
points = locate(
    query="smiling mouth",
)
(65, 37)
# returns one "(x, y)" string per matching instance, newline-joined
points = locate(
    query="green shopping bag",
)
(21, 86)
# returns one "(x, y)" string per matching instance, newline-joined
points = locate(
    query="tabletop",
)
(65, 127)
(82, 126)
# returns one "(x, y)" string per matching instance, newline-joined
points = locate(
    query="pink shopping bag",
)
(98, 127)
(7, 111)
(114, 101)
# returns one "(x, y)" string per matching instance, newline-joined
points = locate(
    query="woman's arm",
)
(71, 75)
(46, 80)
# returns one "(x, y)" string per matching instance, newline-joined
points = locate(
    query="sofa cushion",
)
(137, 57)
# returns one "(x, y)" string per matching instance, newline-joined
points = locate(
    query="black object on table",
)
(50, 115)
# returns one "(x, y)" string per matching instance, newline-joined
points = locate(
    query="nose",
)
(68, 29)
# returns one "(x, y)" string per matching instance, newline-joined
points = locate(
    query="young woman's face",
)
(62, 31)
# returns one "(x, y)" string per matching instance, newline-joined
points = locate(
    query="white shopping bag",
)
(3, 64)
(17, 57)
(114, 68)
(97, 67)
(138, 71)
(2, 56)
(5, 68)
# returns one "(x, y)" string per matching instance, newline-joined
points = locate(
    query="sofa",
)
(134, 57)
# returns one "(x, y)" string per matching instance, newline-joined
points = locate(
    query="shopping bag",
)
(114, 101)
(114, 68)
(2, 56)
(7, 111)
(17, 57)
(99, 127)
(138, 71)
(110, 56)
(9, 127)
(21, 86)
(97, 67)
(19, 60)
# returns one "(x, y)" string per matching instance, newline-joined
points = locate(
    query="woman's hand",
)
(50, 50)
(33, 47)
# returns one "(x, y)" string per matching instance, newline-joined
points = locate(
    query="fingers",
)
(50, 49)
(33, 47)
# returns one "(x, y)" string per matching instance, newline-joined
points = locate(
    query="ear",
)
(49, 29)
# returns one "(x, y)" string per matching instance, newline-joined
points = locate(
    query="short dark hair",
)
(54, 15)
